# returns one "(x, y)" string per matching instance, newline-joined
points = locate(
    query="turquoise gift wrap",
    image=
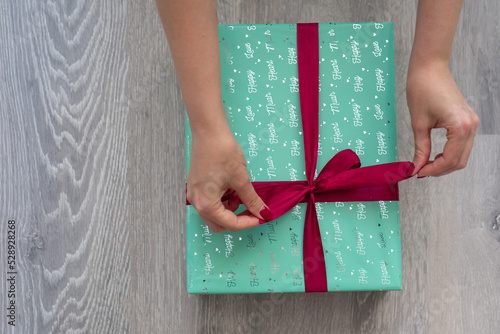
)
(259, 80)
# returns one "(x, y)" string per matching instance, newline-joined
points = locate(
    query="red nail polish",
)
(266, 213)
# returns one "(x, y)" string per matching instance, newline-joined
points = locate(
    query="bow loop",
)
(339, 163)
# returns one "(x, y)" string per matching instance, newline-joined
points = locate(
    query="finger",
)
(467, 150)
(213, 226)
(470, 141)
(241, 183)
(422, 136)
(227, 219)
(245, 213)
(452, 152)
(213, 211)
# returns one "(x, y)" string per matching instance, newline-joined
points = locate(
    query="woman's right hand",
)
(218, 168)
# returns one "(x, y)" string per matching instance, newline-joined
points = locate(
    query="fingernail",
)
(410, 170)
(422, 177)
(266, 213)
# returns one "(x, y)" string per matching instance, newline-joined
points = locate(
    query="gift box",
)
(336, 225)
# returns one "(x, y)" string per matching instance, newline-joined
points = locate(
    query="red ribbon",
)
(340, 180)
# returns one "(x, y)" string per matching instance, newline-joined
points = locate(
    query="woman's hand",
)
(218, 168)
(436, 102)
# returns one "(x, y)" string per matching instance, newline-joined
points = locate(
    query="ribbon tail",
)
(313, 255)
(371, 176)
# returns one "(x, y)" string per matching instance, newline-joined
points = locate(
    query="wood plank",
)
(64, 164)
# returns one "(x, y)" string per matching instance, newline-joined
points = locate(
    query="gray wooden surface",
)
(92, 171)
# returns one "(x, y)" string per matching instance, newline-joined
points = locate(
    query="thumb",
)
(422, 147)
(251, 200)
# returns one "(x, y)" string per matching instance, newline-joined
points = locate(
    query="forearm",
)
(191, 29)
(433, 97)
(435, 29)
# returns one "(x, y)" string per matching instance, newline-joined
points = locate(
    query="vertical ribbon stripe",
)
(308, 62)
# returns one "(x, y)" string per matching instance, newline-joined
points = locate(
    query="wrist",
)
(420, 61)
(427, 63)
(209, 124)
(422, 71)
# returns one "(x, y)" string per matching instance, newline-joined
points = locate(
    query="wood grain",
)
(92, 170)
(64, 164)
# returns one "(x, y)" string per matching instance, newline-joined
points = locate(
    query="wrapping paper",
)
(361, 240)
